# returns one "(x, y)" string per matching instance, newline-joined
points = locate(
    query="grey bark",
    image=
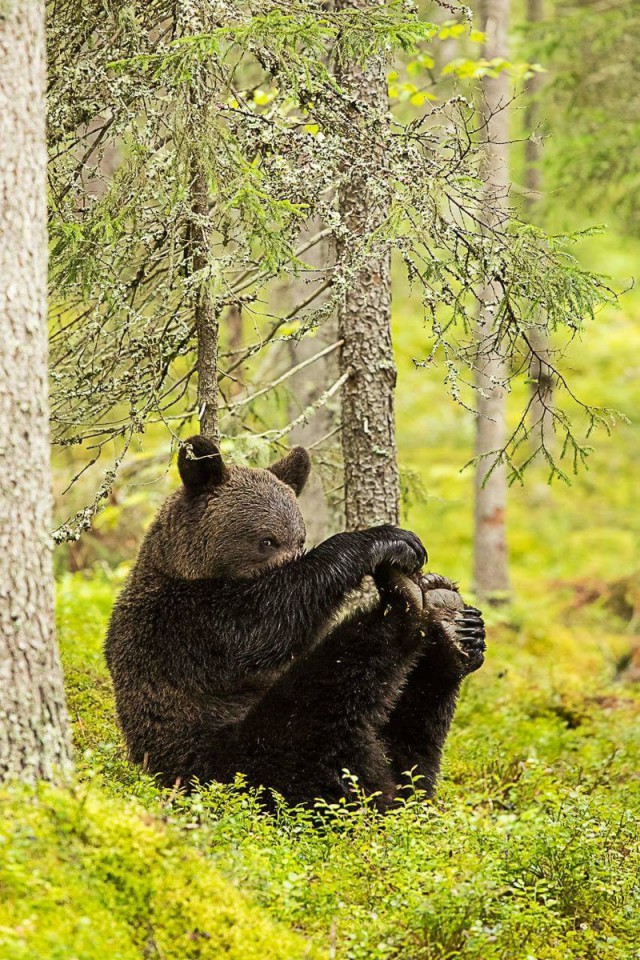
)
(206, 320)
(541, 373)
(309, 384)
(192, 19)
(364, 320)
(34, 741)
(491, 566)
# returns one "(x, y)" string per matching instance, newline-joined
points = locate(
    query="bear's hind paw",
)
(470, 637)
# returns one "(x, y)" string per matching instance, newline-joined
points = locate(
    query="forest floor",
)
(530, 850)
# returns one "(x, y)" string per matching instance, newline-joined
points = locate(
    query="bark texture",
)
(364, 321)
(309, 384)
(193, 19)
(491, 567)
(206, 320)
(34, 739)
(541, 373)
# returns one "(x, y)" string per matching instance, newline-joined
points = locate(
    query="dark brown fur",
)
(224, 658)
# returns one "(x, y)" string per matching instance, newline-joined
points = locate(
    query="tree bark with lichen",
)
(34, 740)
(193, 19)
(491, 563)
(369, 450)
(205, 317)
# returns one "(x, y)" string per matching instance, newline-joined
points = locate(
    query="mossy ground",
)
(530, 851)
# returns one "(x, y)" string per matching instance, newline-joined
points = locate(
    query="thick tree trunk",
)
(491, 569)
(364, 321)
(541, 374)
(34, 739)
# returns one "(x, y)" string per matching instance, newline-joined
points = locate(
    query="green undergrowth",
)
(530, 851)
(91, 877)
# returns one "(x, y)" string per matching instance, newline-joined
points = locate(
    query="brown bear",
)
(226, 656)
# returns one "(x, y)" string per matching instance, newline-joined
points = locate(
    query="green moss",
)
(88, 878)
(533, 840)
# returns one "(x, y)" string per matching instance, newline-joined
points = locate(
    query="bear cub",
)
(226, 656)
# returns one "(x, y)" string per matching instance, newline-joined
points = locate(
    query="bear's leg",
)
(325, 713)
(454, 647)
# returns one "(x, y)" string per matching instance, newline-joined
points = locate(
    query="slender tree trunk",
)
(364, 321)
(533, 151)
(193, 18)
(234, 322)
(206, 320)
(310, 383)
(34, 740)
(491, 569)
(541, 374)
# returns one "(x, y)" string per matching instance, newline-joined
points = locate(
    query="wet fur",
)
(224, 658)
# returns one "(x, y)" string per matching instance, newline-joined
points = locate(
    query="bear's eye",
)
(269, 543)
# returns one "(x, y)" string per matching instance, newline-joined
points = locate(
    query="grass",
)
(89, 878)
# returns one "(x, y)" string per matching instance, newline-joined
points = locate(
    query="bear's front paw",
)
(429, 582)
(392, 547)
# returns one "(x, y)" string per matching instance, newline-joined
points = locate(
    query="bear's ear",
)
(293, 469)
(200, 465)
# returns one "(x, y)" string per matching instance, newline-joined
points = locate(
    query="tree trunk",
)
(491, 570)
(541, 373)
(206, 320)
(364, 320)
(310, 383)
(193, 19)
(34, 740)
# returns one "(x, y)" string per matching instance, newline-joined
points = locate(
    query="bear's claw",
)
(470, 637)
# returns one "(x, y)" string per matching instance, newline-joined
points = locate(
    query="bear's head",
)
(228, 522)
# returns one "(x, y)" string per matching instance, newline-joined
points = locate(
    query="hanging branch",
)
(143, 263)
